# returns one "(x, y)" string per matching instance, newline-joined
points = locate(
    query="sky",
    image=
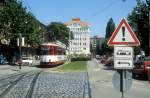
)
(96, 12)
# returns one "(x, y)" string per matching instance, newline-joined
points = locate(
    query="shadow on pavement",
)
(109, 68)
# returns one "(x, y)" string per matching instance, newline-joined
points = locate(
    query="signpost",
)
(127, 80)
(123, 39)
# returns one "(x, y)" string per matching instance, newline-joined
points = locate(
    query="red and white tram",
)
(52, 54)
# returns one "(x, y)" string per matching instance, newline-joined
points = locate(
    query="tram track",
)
(9, 84)
(10, 79)
(32, 85)
(14, 75)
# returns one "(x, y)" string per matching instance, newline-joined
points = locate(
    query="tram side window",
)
(50, 51)
(63, 52)
(59, 51)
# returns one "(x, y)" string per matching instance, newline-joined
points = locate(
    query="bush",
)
(80, 59)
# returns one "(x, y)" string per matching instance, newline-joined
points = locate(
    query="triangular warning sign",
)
(123, 35)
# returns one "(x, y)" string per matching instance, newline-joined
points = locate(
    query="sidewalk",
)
(100, 80)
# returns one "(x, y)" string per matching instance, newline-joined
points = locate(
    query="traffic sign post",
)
(125, 78)
(123, 39)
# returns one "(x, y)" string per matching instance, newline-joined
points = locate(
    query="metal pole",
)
(121, 83)
(69, 45)
(20, 55)
(149, 30)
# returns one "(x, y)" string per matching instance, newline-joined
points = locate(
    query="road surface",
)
(31, 82)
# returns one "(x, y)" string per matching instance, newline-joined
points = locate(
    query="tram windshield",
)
(46, 51)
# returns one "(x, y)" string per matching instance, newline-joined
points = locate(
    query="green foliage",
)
(80, 58)
(74, 66)
(136, 50)
(106, 49)
(58, 31)
(14, 19)
(139, 21)
(110, 28)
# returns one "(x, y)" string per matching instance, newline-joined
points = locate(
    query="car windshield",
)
(26, 58)
(147, 58)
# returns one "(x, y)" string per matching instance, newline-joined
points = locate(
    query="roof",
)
(57, 43)
(77, 20)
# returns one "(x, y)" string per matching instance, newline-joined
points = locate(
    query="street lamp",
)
(21, 43)
(20, 52)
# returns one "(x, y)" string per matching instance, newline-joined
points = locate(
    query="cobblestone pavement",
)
(42, 84)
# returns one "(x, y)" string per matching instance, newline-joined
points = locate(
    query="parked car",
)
(97, 56)
(103, 60)
(27, 61)
(141, 67)
(108, 61)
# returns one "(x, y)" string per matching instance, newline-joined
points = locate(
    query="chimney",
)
(75, 19)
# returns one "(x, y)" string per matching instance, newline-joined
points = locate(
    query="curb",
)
(87, 90)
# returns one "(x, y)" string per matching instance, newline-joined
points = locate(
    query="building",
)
(96, 45)
(81, 32)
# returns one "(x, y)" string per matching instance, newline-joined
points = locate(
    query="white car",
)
(27, 61)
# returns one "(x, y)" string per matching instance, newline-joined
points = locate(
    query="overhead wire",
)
(101, 11)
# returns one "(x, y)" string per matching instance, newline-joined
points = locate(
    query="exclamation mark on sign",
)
(123, 33)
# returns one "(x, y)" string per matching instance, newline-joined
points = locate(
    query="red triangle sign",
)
(123, 35)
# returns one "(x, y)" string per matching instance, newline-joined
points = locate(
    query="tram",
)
(52, 54)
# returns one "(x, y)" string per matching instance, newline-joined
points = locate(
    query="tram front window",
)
(46, 51)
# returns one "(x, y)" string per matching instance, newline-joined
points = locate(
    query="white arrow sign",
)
(123, 63)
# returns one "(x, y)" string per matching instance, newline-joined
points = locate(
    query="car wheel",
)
(134, 75)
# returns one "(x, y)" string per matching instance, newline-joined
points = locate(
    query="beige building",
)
(81, 32)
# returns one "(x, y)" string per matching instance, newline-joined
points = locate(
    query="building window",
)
(75, 24)
(84, 38)
(84, 48)
(74, 43)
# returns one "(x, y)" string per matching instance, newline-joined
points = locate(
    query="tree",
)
(138, 19)
(34, 33)
(110, 28)
(58, 31)
(14, 19)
